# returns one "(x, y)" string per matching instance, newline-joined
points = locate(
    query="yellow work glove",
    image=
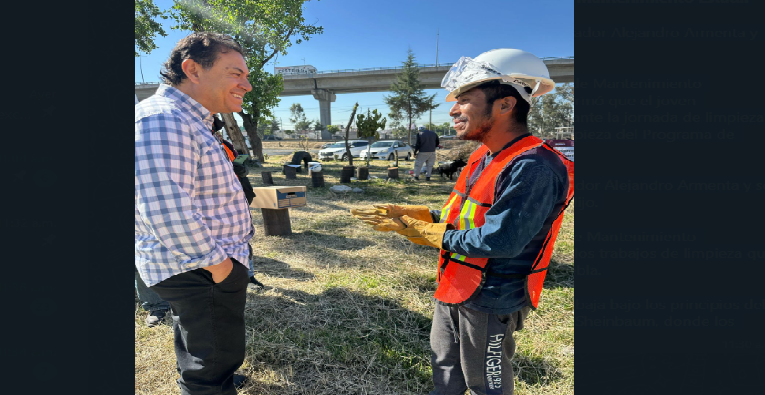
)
(424, 233)
(382, 224)
(421, 213)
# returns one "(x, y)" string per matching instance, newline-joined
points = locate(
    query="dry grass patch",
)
(347, 310)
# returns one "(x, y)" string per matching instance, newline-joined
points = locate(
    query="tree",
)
(298, 118)
(264, 29)
(347, 129)
(399, 132)
(146, 26)
(274, 126)
(367, 127)
(318, 127)
(333, 129)
(446, 128)
(408, 100)
(264, 128)
(552, 110)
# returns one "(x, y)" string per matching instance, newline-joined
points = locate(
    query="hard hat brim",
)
(545, 86)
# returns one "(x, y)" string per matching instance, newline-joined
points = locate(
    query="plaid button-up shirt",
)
(190, 210)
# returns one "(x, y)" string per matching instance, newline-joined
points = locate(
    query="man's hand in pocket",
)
(220, 271)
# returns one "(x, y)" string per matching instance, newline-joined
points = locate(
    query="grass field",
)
(347, 310)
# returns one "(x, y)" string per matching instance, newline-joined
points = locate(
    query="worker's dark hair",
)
(202, 48)
(494, 90)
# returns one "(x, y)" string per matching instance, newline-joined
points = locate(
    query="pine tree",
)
(408, 100)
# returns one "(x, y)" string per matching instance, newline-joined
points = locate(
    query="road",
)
(287, 151)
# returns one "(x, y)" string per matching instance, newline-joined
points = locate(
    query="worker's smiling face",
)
(472, 115)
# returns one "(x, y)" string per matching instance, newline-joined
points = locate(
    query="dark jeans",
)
(150, 301)
(208, 320)
(472, 349)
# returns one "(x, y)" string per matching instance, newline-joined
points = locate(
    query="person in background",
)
(425, 152)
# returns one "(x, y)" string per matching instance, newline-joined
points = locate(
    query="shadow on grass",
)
(337, 342)
(536, 370)
(280, 269)
(559, 275)
(332, 241)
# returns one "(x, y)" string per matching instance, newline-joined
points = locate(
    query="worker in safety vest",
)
(496, 231)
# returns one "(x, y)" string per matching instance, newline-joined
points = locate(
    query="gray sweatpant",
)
(426, 158)
(471, 349)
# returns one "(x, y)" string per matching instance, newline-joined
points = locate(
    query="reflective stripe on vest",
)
(460, 277)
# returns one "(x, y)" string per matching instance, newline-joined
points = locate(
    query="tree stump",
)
(346, 174)
(363, 173)
(317, 179)
(267, 180)
(393, 173)
(289, 172)
(276, 222)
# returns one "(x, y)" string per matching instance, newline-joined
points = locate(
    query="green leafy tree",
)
(333, 129)
(274, 126)
(318, 127)
(408, 99)
(146, 25)
(264, 128)
(265, 29)
(399, 132)
(555, 109)
(368, 126)
(446, 129)
(298, 118)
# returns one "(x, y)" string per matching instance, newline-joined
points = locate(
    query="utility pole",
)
(430, 113)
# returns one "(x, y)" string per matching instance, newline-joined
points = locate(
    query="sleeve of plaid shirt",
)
(166, 164)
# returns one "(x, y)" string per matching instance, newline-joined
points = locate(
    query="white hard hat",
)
(514, 67)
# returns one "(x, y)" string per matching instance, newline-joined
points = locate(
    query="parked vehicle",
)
(338, 149)
(385, 149)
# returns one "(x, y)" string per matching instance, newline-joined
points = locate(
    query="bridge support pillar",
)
(325, 99)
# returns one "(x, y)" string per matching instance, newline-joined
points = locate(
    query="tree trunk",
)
(252, 133)
(409, 130)
(234, 133)
(347, 128)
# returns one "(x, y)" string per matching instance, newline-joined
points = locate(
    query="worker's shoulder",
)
(539, 159)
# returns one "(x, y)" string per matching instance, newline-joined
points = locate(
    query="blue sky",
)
(362, 34)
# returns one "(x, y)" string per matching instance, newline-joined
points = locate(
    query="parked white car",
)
(338, 149)
(385, 149)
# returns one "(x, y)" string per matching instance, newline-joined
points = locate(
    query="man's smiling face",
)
(223, 85)
(472, 115)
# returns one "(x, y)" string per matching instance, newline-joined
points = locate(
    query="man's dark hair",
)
(202, 48)
(495, 90)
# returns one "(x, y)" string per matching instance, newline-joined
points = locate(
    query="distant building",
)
(293, 70)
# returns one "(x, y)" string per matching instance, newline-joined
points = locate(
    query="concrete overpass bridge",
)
(324, 85)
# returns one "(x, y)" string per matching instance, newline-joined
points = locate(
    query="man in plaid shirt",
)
(192, 221)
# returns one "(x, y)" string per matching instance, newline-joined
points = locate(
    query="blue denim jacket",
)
(530, 192)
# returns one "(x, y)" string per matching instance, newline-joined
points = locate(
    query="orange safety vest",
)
(228, 152)
(460, 277)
